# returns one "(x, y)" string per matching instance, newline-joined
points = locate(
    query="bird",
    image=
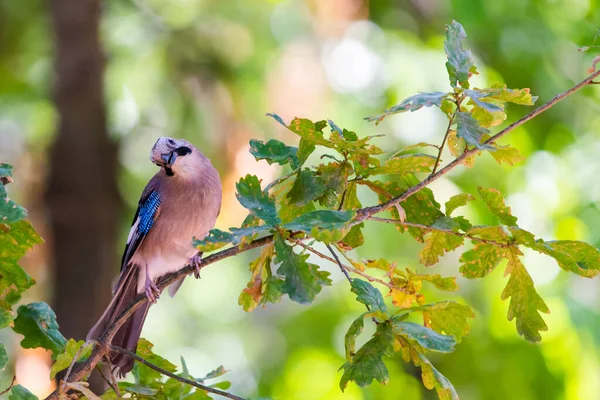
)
(181, 201)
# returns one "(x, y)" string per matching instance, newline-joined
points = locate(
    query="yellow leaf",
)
(402, 299)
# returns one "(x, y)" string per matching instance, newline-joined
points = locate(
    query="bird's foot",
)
(196, 263)
(152, 291)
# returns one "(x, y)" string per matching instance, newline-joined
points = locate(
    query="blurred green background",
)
(209, 70)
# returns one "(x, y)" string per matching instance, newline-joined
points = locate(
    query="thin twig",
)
(346, 267)
(172, 375)
(65, 379)
(431, 228)
(12, 383)
(364, 213)
(109, 381)
(441, 147)
(337, 260)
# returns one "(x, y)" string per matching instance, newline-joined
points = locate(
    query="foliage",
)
(320, 193)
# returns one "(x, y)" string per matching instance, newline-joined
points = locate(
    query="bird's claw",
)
(152, 291)
(196, 263)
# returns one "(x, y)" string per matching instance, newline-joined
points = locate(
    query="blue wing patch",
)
(144, 219)
(146, 213)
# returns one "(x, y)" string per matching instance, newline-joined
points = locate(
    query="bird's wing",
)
(147, 212)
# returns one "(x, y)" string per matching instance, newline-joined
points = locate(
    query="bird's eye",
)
(171, 142)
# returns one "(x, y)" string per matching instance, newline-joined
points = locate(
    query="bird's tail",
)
(129, 333)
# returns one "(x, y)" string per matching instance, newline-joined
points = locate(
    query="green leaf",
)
(9, 210)
(215, 240)
(420, 208)
(481, 260)
(221, 385)
(250, 195)
(64, 359)
(432, 378)
(495, 233)
(483, 99)
(368, 295)
(15, 240)
(525, 302)
(145, 375)
(363, 163)
(495, 203)
(463, 223)
(457, 201)
(572, 256)
(334, 176)
(448, 317)
(307, 187)
(326, 226)
(303, 281)
(20, 393)
(3, 357)
(436, 244)
(354, 238)
(272, 290)
(485, 110)
(354, 331)
(276, 118)
(37, 323)
(274, 151)
(460, 63)
(406, 164)
(413, 103)
(499, 93)
(139, 389)
(305, 149)
(447, 284)
(367, 364)
(218, 238)
(507, 154)
(488, 104)
(521, 236)
(425, 337)
(469, 129)
(324, 219)
(287, 211)
(5, 170)
(174, 389)
(310, 131)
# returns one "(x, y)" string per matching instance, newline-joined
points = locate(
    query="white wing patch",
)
(133, 230)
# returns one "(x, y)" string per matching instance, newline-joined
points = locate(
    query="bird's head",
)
(175, 156)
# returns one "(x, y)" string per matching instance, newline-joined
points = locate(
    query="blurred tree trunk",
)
(82, 192)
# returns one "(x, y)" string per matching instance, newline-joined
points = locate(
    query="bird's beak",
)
(169, 158)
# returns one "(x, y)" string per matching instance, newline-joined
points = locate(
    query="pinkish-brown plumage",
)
(181, 201)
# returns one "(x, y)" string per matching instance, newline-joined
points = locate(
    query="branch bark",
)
(83, 369)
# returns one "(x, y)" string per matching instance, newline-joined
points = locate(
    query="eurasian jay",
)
(181, 201)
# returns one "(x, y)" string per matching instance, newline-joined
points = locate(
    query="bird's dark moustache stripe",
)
(183, 150)
(169, 171)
